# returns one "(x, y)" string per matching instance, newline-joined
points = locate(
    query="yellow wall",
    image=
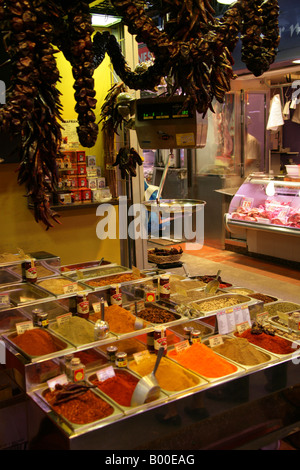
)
(75, 240)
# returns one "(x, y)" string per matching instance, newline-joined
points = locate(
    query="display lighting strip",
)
(105, 21)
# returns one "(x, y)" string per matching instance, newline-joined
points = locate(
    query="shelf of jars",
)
(106, 323)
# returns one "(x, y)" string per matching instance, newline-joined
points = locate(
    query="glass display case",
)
(265, 211)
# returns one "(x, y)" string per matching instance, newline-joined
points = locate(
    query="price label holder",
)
(97, 306)
(182, 346)
(106, 373)
(4, 300)
(71, 288)
(141, 355)
(222, 322)
(60, 379)
(63, 318)
(262, 317)
(215, 340)
(24, 326)
(241, 327)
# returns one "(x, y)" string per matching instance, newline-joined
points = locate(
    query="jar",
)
(150, 341)
(42, 320)
(35, 312)
(188, 333)
(111, 352)
(83, 307)
(67, 364)
(77, 370)
(164, 286)
(195, 336)
(115, 295)
(121, 359)
(29, 272)
(160, 339)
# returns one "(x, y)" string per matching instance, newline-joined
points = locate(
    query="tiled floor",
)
(267, 277)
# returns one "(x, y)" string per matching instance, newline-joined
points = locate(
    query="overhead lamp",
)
(270, 189)
(105, 20)
(225, 2)
(296, 61)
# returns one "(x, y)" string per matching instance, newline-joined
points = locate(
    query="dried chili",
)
(83, 409)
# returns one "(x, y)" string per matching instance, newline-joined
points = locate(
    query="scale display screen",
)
(155, 111)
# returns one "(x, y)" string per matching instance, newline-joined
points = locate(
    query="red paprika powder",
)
(274, 344)
(120, 387)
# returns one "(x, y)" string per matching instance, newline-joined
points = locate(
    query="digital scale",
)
(163, 123)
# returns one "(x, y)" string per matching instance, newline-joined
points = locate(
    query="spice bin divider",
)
(16, 291)
(80, 428)
(128, 410)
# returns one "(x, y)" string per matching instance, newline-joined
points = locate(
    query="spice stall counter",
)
(132, 428)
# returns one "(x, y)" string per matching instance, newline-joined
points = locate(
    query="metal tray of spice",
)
(21, 294)
(205, 330)
(175, 379)
(213, 305)
(238, 369)
(281, 306)
(262, 356)
(112, 411)
(88, 264)
(105, 282)
(7, 276)
(158, 315)
(61, 287)
(100, 271)
(133, 378)
(79, 333)
(58, 345)
(121, 321)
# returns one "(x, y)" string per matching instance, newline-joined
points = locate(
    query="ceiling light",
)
(225, 2)
(105, 20)
(296, 61)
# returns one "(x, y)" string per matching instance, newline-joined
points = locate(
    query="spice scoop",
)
(101, 328)
(147, 388)
(212, 286)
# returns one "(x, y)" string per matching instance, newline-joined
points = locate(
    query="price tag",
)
(24, 326)
(222, 322)
(106, 373)
(141, 355)
(97, 307)
(247, 203)
(180, 290)
(4, 299)
(140, 305)
(182, 346)
(215, 340)
(63, 318)
(136, 272)
(60, 379)
(230, 320)
(261, 317)
(70, 288)
(242, 327)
